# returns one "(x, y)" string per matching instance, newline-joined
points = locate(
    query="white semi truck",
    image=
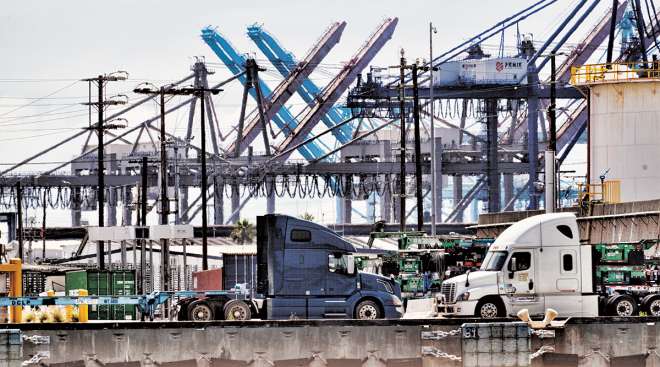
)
(539, 263)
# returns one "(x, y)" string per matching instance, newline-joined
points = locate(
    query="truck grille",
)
(449, 292)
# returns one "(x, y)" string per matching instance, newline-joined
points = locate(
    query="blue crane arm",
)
(339, 84)
(235, 62)
(285, 62)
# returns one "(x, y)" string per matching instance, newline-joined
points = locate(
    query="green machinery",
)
(626, 263)
(421, 262)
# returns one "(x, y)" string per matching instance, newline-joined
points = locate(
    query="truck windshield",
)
(494, 260)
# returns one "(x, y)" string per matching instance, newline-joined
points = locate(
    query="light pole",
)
(434, 204)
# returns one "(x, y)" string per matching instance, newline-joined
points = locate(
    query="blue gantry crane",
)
(235, 62)
(338, 86)
(285, 62)
(290, 84)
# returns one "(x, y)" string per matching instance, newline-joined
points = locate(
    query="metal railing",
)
(621, 71)
(609, 192)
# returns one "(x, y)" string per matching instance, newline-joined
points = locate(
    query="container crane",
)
(235, 62)
(338, 85)
(292, 82)
(285, 62)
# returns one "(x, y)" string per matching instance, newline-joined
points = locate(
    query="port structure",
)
(525, 125)
(285, 63)
(294, 79)
(235, 62)
(353, 158)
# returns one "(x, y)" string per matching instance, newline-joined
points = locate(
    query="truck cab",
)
(305, 270)
(534, 264)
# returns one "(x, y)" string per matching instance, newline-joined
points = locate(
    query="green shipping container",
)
(104, 283)
(123, 284)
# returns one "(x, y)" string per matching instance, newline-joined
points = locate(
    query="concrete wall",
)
(586, 342)
(624, 132)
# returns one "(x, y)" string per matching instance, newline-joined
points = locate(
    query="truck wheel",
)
(367, 310)
(489, 308)
(237, 310)
(200, 311)
(651, 305)
(622, 305)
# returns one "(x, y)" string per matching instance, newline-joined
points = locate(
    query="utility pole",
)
(43, 230)
(200, 92)
(100, 128)
(418, 152)
(434, 188)
(19, 213)
(143, 221)
(402, 148)
(150, 89)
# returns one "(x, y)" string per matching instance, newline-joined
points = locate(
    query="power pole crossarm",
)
(100, 128)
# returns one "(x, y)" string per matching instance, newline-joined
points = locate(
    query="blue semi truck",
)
(305, 271)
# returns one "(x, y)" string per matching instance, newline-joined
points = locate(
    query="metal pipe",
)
(552, 110)
(549, 181)
(610, 41)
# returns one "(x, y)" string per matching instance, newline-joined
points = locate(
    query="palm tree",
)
(243, 232)
(307, 216)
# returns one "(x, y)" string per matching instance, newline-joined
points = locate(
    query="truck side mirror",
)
(350, 260)
(513, 267)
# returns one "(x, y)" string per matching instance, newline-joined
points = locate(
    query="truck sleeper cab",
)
(536, 263)
(304, 271)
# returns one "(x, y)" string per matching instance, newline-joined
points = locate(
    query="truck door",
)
(338, 287)
(302, 282)
(520, 279)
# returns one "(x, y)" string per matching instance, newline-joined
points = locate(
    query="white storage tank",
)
(624, 134)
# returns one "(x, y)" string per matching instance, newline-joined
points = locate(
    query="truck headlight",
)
(463, 296)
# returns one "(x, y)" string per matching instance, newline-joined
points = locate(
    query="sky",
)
(47, 46)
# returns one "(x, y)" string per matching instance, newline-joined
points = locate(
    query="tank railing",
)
(620, 71)
(609, 192)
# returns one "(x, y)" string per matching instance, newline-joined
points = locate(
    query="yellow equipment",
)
(15, 270)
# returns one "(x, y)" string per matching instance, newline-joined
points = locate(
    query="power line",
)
(30, 103)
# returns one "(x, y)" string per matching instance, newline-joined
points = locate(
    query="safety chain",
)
(543, 334)
(544, 349)
(439, 334)
(435, 352)
(596, 352)
(37, 339)
(37, 358)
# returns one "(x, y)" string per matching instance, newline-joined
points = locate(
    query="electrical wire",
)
(39, 99)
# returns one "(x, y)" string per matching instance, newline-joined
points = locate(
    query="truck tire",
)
(622, 305)
(490, 308)
(651, 305)
(368, 310)
(200, 311)
(237, 310)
